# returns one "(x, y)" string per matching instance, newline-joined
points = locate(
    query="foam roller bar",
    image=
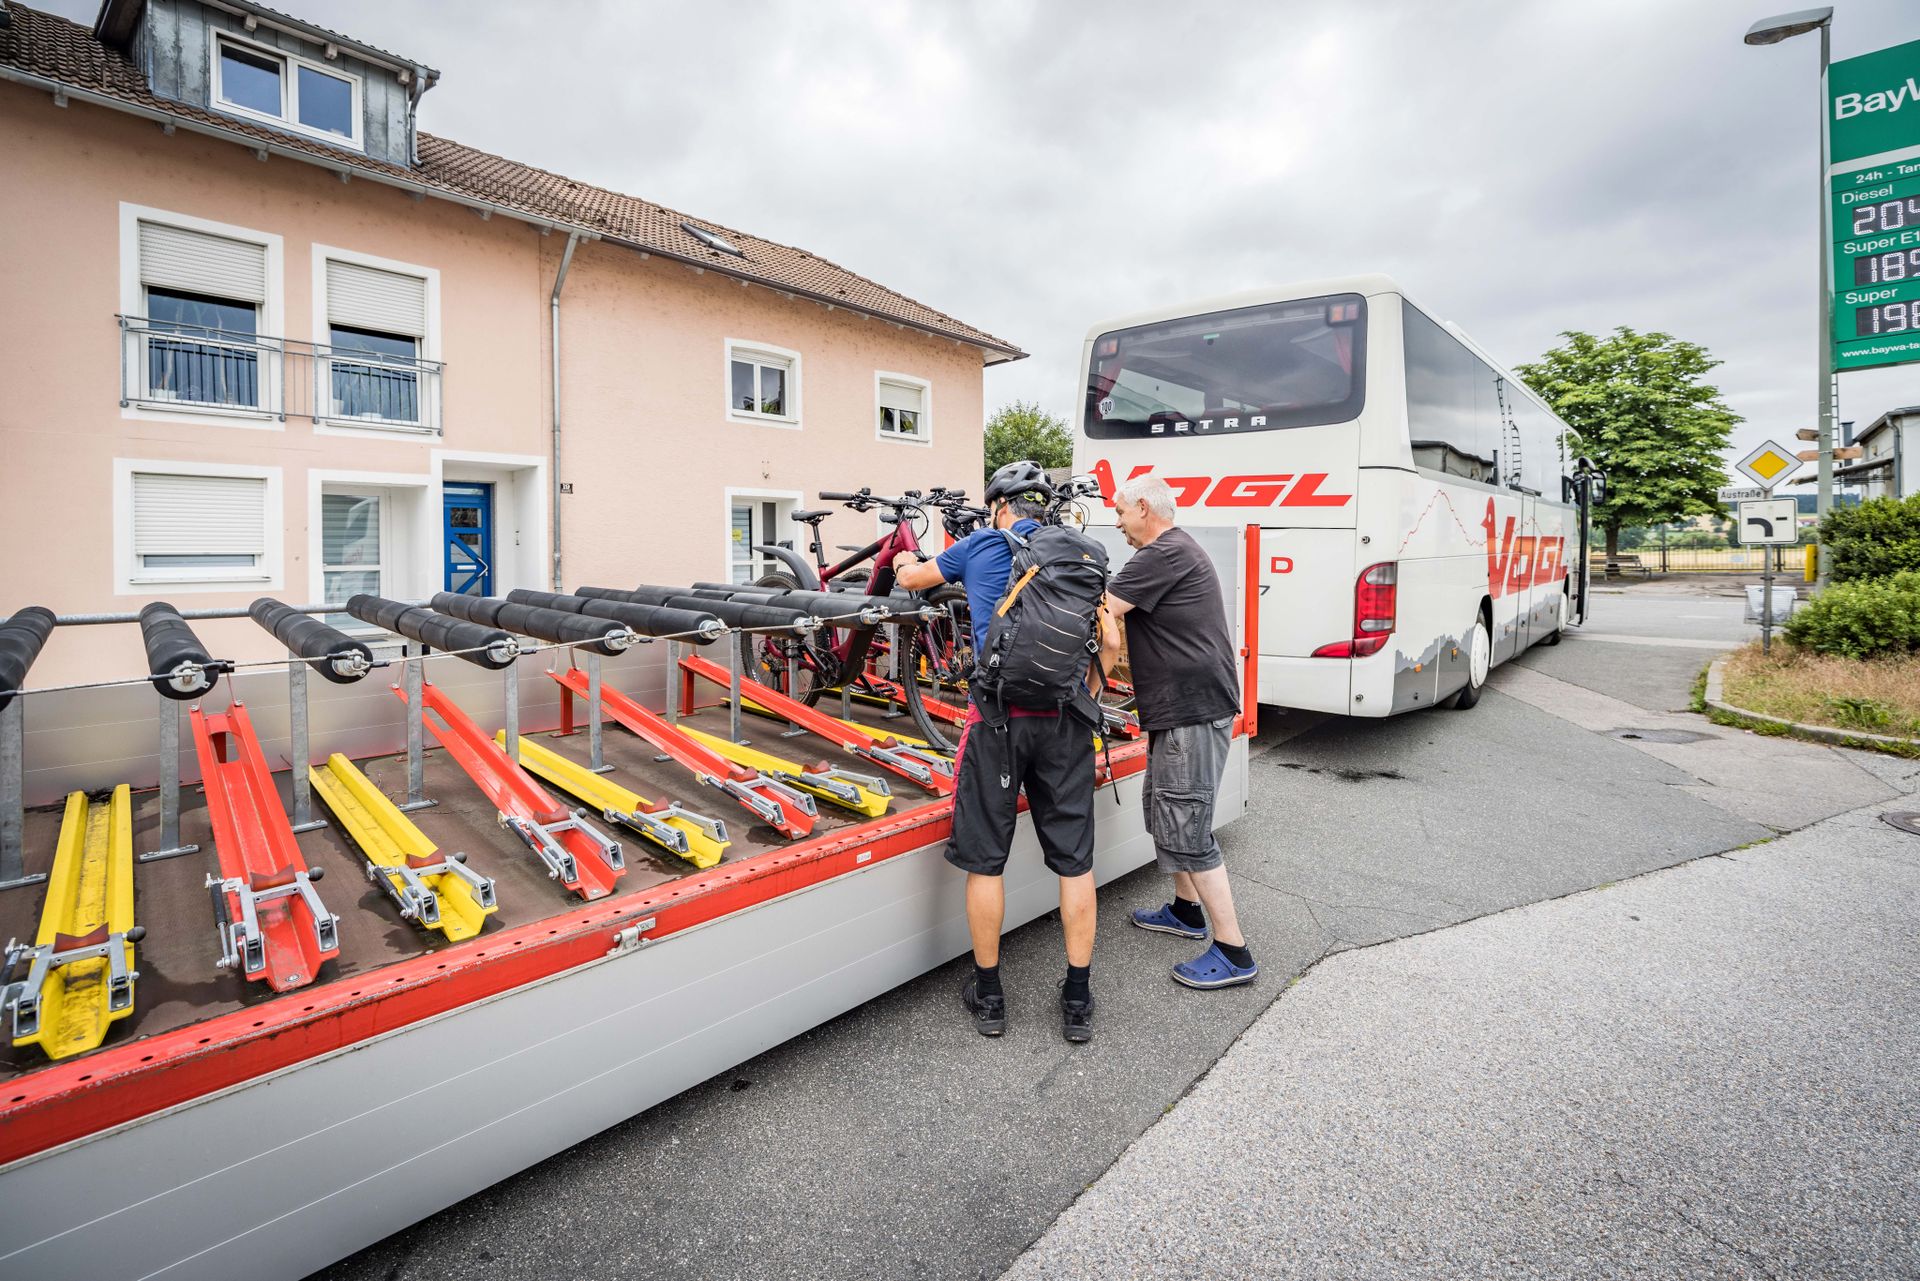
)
(732, 613)
(171, 646)
(21, 639)
(328, 650)
(598, 635)
(492, 647)
(647, 620)
(819, 604)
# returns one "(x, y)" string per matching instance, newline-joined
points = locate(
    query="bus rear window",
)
(1293, 364)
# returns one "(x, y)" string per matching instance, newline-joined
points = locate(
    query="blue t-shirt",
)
(982, 562)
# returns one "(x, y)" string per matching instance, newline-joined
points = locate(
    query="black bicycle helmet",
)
(1023, 477)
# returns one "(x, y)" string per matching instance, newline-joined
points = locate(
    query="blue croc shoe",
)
(1163, 920)
(1212, 969)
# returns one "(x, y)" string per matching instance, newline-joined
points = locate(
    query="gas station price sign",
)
(1873, 130)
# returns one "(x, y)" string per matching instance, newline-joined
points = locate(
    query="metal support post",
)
(303, 819)
(13, 785)
(170, 845)
(1766, 601)
(596, 760)
(513, 711)
(673, 682)
(413, 680)
(733, 694)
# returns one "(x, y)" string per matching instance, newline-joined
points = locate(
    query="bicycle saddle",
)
(808, 517)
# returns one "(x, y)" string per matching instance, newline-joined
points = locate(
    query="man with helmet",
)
(1048, 753)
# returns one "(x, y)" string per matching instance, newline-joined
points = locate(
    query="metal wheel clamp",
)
(699, 839)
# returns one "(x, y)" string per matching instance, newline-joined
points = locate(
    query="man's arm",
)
(916, 575)
(1118, 605)
(1109, 636)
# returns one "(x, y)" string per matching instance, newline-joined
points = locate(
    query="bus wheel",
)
(1559, 631)
(1479, 660)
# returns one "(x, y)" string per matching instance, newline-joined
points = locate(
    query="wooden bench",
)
(1624, 562)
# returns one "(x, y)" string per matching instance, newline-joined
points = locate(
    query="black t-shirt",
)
(1177, 640)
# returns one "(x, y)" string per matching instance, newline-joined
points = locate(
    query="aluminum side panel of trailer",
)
(288, 1173)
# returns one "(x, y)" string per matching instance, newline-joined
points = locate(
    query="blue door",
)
(468, 538)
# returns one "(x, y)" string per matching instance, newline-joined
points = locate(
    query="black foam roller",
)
(493, 647)
(819, 604)
(21, 639)
(170, 642)
(530, 620)
(311, 639)
(647, 620)
(731, 612)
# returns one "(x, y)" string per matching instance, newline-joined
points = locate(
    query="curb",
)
(1716, 701)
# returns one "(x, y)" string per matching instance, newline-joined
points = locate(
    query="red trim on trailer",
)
(1250, 639)
(64, 1102)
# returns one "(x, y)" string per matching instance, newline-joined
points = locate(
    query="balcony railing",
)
(166, 365)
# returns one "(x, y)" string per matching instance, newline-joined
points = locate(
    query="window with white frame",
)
(201, 298)
(763, 383)
(354, 543)
(376, 324)
(903, 408)
(254, 80)
(198, 528)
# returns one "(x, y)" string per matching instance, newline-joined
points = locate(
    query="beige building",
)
(264, 337)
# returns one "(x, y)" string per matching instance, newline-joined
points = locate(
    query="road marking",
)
(1673, 641)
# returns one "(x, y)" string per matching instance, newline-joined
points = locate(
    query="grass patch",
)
(1871, 696)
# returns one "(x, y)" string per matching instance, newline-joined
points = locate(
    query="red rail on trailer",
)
(1250, 638)
(275, 928)
(787, 815)
(926, 769)
(588, 864)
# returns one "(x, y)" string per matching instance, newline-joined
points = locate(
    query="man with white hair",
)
(1184, 675)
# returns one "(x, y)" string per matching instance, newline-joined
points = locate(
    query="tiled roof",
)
(52, 48)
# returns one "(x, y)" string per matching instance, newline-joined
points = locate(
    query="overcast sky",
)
(1521, 168)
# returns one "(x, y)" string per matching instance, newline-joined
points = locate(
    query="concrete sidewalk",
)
(1708, 1071)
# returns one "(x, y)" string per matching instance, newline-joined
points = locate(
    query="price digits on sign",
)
(1888, 268)
(1887, 318)
(1887, 215)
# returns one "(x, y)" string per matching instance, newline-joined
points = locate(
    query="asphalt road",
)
(895, 1142)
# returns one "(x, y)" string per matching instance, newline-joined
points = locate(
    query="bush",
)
(1874, 539)
(1861, 619)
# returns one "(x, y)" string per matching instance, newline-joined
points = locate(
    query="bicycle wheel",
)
(935, 665)
(785, 663)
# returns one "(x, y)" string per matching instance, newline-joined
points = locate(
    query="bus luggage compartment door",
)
(1306, 602)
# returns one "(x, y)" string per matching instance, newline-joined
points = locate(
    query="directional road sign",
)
(1769, 520)
(1768, 465)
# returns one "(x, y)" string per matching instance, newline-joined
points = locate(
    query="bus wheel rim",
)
(1481, 656)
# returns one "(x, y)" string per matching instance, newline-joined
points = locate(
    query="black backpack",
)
(1045, 632)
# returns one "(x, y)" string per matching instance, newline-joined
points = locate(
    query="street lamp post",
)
(1773, 31)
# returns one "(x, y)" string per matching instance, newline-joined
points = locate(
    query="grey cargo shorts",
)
(1184, 766)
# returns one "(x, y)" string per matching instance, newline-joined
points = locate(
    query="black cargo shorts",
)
(1184, 766)
(1052, 757)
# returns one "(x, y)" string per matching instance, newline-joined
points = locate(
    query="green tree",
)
(1639, 410)
(1023, 430)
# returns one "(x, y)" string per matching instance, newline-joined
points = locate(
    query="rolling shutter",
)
(198, 263)
(899, 396)
(383, 301)
(199, 515)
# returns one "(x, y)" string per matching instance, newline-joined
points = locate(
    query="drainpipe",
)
(559, 282)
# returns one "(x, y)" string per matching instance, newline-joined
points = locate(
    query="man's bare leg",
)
(1211, 889)
(1077, 914)
(986, 913)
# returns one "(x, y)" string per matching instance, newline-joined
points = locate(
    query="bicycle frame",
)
(849, 651)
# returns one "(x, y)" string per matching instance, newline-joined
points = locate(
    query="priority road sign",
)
(1768, 465)
(1766, 521)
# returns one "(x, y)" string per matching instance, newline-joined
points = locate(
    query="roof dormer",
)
(271, 69)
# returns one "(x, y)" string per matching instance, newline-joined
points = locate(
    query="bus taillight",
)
(1374, 594)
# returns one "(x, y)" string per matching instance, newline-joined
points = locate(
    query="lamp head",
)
(1788, 25)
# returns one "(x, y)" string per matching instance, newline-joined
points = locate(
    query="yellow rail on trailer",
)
(702, 841)
(76, 986)
(862, 793)
(438, 893)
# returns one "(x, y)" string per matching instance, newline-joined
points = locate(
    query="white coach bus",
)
(1418, 520)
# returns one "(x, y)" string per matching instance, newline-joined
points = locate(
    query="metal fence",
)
(166, 364)
(1700, 560)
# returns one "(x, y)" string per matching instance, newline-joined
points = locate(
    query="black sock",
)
(1188, 912)
(1239, 953)
(1079, 983)
(986, 979)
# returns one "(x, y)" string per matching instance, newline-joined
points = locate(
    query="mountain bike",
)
(922, 666)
